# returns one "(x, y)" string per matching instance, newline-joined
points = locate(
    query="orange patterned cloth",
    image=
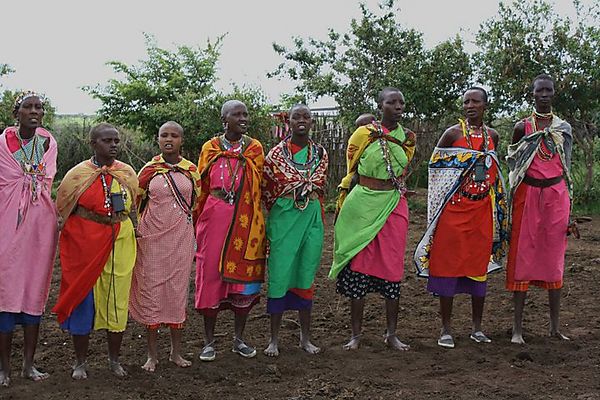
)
(243, 256)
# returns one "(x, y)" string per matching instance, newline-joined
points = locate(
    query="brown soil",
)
(544, 368)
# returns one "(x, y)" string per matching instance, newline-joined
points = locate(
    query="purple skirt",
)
(449, 287)
(290, 301)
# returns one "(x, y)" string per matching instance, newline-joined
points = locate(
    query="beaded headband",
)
(27, 94)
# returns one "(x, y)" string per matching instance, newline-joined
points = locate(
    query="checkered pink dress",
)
(161, 276)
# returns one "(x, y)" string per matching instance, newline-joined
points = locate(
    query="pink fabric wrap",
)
(379, 258)
(159, 288)
(543, 236)
(211, 230)
(27, 249)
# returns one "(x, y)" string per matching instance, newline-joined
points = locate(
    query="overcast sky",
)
(58, 46)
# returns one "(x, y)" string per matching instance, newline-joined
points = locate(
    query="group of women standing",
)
(127, 240)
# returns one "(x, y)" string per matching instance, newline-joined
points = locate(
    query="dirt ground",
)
(544, 368)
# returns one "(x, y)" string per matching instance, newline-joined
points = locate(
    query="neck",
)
(475, 123)
(543, 113)
(543, 109)
(301, 141)
(26, 133)
(232, 136)
(391, 125)
(102, 161)
(172, 158)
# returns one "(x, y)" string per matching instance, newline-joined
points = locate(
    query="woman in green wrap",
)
(294, 179)
(372, 222)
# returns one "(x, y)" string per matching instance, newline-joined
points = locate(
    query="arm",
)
(518, 132)
(356, 144)
(495, 137)
(268, 185)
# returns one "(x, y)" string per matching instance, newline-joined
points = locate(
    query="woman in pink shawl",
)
(28, 220)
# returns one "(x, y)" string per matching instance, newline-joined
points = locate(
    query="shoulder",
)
(188, 164)
(254, 142)
(518, 131)
(321, 150)
(410, 135)
(493, 133)
(124, 166)
(520, 126)
(275, 149)
(363, 130)
(360, 134)
(211, 144)
(450, 135)
(454, 132)
(44, 132)
(82, 166)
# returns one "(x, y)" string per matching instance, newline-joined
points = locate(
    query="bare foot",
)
(4, 380)
(150, 364)
(180, 361)
(79, 372)
(517, 338)
(308, 347)
(35, 375)
(558, 335)
(395, 343)
(272, 350)
(116, 368)
(353, 344)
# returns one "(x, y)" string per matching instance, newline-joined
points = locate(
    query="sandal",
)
(243, 349)
(479, 337)
(208, 352)
(446, 341)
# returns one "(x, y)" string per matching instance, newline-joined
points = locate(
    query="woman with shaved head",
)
(230, 231)
(169, 187)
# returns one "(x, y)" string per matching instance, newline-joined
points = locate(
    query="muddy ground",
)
(544, 368)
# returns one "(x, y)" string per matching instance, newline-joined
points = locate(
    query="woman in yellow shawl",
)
(97, 248)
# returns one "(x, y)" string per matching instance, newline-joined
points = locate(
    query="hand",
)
(573, 229)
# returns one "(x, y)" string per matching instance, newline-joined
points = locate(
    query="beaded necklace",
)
(31, 164)
(229, 146)
(546, 149)
(479, 173)
(468, 130)
(398, 183)
(107, 190)
(305, 169)
(179, 199)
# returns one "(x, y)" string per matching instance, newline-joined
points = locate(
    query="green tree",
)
(528, 38)
(5, 69)
(174, 85)
(376, 52)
